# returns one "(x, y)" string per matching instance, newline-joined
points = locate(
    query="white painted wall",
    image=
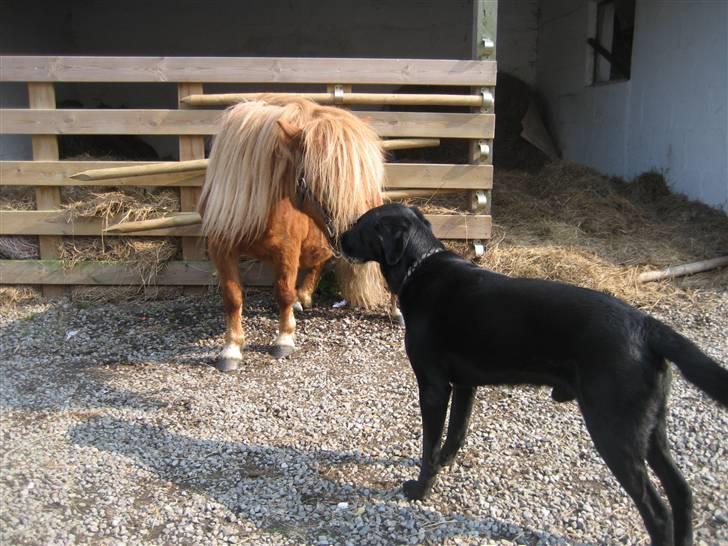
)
(672, 116)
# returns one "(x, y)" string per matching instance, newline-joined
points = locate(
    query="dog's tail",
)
(697, 367)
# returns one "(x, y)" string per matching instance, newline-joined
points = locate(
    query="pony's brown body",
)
(251, 205)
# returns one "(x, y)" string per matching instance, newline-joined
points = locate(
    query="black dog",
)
(588, 346)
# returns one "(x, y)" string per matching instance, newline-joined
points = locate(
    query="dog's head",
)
(393, 235)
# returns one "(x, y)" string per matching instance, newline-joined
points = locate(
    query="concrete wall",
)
(324, 28)
(518, 38)
(21, 27)
(672, 116)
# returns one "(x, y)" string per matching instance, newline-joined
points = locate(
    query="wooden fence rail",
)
(46, 175)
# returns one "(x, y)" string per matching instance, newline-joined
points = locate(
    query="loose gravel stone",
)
(115, 429)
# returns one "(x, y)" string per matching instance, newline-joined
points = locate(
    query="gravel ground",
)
(115, 429)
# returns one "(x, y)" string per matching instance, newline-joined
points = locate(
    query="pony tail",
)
(362, 285)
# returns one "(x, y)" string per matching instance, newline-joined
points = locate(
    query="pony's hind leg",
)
(394, 311)
(285, 294)
(232, 297)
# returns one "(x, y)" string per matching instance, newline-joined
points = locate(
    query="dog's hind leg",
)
(460, 410)
(433, 406)
(622, 443)
(677, 490)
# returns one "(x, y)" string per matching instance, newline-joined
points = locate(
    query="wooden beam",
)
(445, 226)
(167, 167)
(187, 273)
(683, 269)
(187, 219)
(204, 122)
(347, 98)
(247, 70)
(483, 43)
(398, 175)
(45, 148)
(191, 148)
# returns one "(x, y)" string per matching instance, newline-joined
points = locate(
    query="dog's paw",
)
(413, 490)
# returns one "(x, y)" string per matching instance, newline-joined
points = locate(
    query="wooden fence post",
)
(191, 147)
(485, 18)
(45, 148)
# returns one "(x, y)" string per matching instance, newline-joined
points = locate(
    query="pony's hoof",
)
(282, 351)
(227, 364)
(297, 307)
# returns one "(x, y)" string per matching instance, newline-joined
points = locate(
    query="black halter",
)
(303, 193)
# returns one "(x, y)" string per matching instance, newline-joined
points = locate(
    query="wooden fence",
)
(46, 174)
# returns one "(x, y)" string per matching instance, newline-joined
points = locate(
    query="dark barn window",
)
(612, 41)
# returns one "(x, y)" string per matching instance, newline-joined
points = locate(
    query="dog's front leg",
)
(433, 405)
(460, 409)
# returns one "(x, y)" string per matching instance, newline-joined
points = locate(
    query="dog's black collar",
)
(411, 269)
(303, 193)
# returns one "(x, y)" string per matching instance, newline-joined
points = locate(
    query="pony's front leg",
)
(285, 294)
(308, 285)
(232, 298)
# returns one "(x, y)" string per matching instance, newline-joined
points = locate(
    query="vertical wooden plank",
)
(45, 148)
(191, 147)
(485, 18)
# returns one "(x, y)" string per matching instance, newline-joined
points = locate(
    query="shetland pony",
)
(285, 177)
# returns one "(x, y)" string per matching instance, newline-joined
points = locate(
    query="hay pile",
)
(146, 256)
(118, 205)
(17, 247)
(567, 222)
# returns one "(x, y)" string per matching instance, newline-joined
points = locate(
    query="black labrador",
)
(466, 326)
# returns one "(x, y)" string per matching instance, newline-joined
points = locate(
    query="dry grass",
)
(569, 223)
(124, 205)
(17, 198)
(10, 296)
(565, 222)
(18, 247)
(146, 256)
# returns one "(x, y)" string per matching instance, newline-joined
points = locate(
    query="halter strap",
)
(303, 192)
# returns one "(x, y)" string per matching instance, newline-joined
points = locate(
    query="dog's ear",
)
(421, 216)
(395, 234)
(290, 133)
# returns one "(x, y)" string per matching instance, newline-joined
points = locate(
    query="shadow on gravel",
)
(67, 356)
(286, 491)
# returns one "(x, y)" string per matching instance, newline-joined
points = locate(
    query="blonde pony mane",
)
(252, 167)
